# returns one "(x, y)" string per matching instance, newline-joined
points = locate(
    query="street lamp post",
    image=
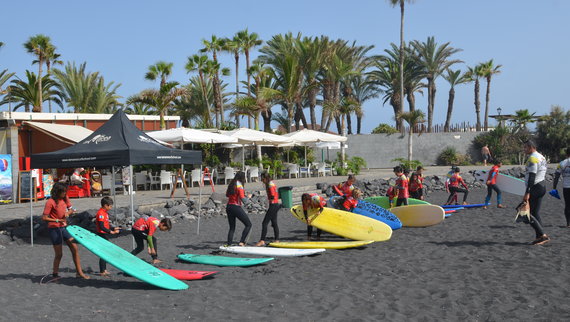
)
(499, 110)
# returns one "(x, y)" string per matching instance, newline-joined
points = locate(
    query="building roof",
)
(70, 134)
(26, 116)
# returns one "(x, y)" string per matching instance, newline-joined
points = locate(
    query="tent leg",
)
(132, 199)
(31, 211)
(113, 194)
(199, 206)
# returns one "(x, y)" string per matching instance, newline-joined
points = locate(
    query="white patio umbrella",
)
(259, 138)
(307, 137)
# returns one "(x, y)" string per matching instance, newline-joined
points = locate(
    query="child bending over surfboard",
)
(104, 228)
(56, 211)
(453, 187)
(236, 197)
(492, 184)
(348, 203)
(401, 187)
(144, 229)
(312, 201)
(272, 211)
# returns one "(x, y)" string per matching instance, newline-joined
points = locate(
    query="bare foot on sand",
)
(105, 274)
(500, 206)
(260, 243)
(156, 261)
(241, 244)
(83, 276)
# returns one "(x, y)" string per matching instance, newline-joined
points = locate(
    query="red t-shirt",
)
(56, 210)
(346, 189)
(493, 174)
(272, 194)
(350, 203)
(102, 219)
(237, 196)
(456, 180)
(402, 187)
(147, 225)
(316, 201)
(416, 184)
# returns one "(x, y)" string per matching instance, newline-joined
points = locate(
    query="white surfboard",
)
(271, 252)
(504, 182)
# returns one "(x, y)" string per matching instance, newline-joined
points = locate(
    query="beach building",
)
(23, 134)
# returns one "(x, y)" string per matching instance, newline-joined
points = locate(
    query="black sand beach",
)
(476, 266)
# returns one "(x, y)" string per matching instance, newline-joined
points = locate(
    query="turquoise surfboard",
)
(222, 260)
(125, 261)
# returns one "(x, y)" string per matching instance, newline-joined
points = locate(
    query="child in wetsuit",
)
(454, 181)
(104, 228)
(492, 184)
(56, 211)
(312, 201)
(401, 187)
(347, 187)
(236, 196)
(274, 206)
(144, 229)
(416, 186)
(348, 203)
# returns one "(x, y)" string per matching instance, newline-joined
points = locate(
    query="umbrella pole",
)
(31, 210)
(305, 156)
(199, 203)
(132, 198)
(243, 158)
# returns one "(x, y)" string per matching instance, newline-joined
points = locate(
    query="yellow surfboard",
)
(345, 224)
(322, 244)
(419, 215)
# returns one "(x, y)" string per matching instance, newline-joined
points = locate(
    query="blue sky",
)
(120, 39)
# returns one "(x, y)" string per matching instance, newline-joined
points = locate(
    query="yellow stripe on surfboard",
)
(322, 244)
(346, 224)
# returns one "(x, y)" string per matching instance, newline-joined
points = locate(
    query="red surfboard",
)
(188, 275)
(450, 211)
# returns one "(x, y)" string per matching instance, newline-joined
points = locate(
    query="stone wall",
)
(379, 149)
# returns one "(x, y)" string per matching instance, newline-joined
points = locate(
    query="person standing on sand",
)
(236, 197)
(535, 190)
(492, 184)
(401, 187)
(417, 184)
(104, 228)
(312, 201)
(272, 211)
(454, 181)
(56, 211)
(564, 171)
(486, 153)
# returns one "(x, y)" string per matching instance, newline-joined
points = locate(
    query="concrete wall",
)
(379, 149)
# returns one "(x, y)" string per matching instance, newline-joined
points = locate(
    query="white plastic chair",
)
(195, 176)
(293, 170)
(254, 173)
(306, 171)
(321, 169)
(153, 180)
(140, 179)
(165, 179)
(229, 174)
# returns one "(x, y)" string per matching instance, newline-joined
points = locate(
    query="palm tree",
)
(199, 63)
(138, 108)
(385, 75)
(162, 100)
(52, 58)
(401, 53)
(521, 118)
(248, 42)
(435, 59)
(4, 77)
(262, 80)
(213, 69)
(215, 45)
(235, 47)
(363, 89)
(160, 70)
(473, 74)
(26, 93)
(488, 69)
(86, 92)
(413, 118)
(39, 45)
(454, 77)
(192, 107)
(312, 57)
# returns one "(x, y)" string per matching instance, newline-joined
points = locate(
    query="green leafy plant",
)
(212, 161)
(237, 165)
(355, 164)
(408, 164)
(275, 166)
(449, 156)
(384, 128)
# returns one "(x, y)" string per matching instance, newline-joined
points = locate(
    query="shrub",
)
(384, 128)
(355, 164)
(212, 160)
(412, 165)
(449, 156)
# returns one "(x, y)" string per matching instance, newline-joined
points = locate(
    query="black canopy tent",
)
(118, 142)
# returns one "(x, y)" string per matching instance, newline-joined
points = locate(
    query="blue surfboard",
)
(464, 206)
(376, 212)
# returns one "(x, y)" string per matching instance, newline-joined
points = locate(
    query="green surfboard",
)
(222, 260)
(125, 261)
(384, 201)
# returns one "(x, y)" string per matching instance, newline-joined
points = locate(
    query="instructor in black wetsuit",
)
(535, 189)
(563, 171)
